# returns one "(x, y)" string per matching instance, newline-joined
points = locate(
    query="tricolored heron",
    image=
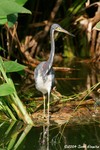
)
(44, 73)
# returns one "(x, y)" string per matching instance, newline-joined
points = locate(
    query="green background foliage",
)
(9, 10)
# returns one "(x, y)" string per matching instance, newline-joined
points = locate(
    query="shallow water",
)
(60, 137)
(75, 80)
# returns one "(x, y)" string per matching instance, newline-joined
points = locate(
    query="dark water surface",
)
(75, 80)
(60, 138)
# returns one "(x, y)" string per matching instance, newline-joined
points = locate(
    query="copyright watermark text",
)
(81, 146)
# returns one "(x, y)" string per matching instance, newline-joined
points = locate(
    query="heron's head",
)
(57, 27)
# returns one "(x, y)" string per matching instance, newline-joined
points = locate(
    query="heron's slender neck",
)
(52, 52)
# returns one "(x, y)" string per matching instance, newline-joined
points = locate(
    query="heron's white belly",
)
(42, 86)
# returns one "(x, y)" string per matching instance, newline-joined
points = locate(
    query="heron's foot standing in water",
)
(45, 116)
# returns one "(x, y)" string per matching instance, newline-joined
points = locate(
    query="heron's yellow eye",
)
(58, 29)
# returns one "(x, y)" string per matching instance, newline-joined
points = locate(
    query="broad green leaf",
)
(12, 66)
(3, 20)
(21, 2)
(11, 19)
(11, 7)
(6, 89)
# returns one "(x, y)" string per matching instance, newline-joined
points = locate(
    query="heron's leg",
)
(48, 106)
(44, 98)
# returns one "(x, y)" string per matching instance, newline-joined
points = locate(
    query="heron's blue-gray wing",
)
(46, 68)
(41, 70)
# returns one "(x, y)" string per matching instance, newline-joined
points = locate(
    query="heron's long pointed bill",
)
(65, 31)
